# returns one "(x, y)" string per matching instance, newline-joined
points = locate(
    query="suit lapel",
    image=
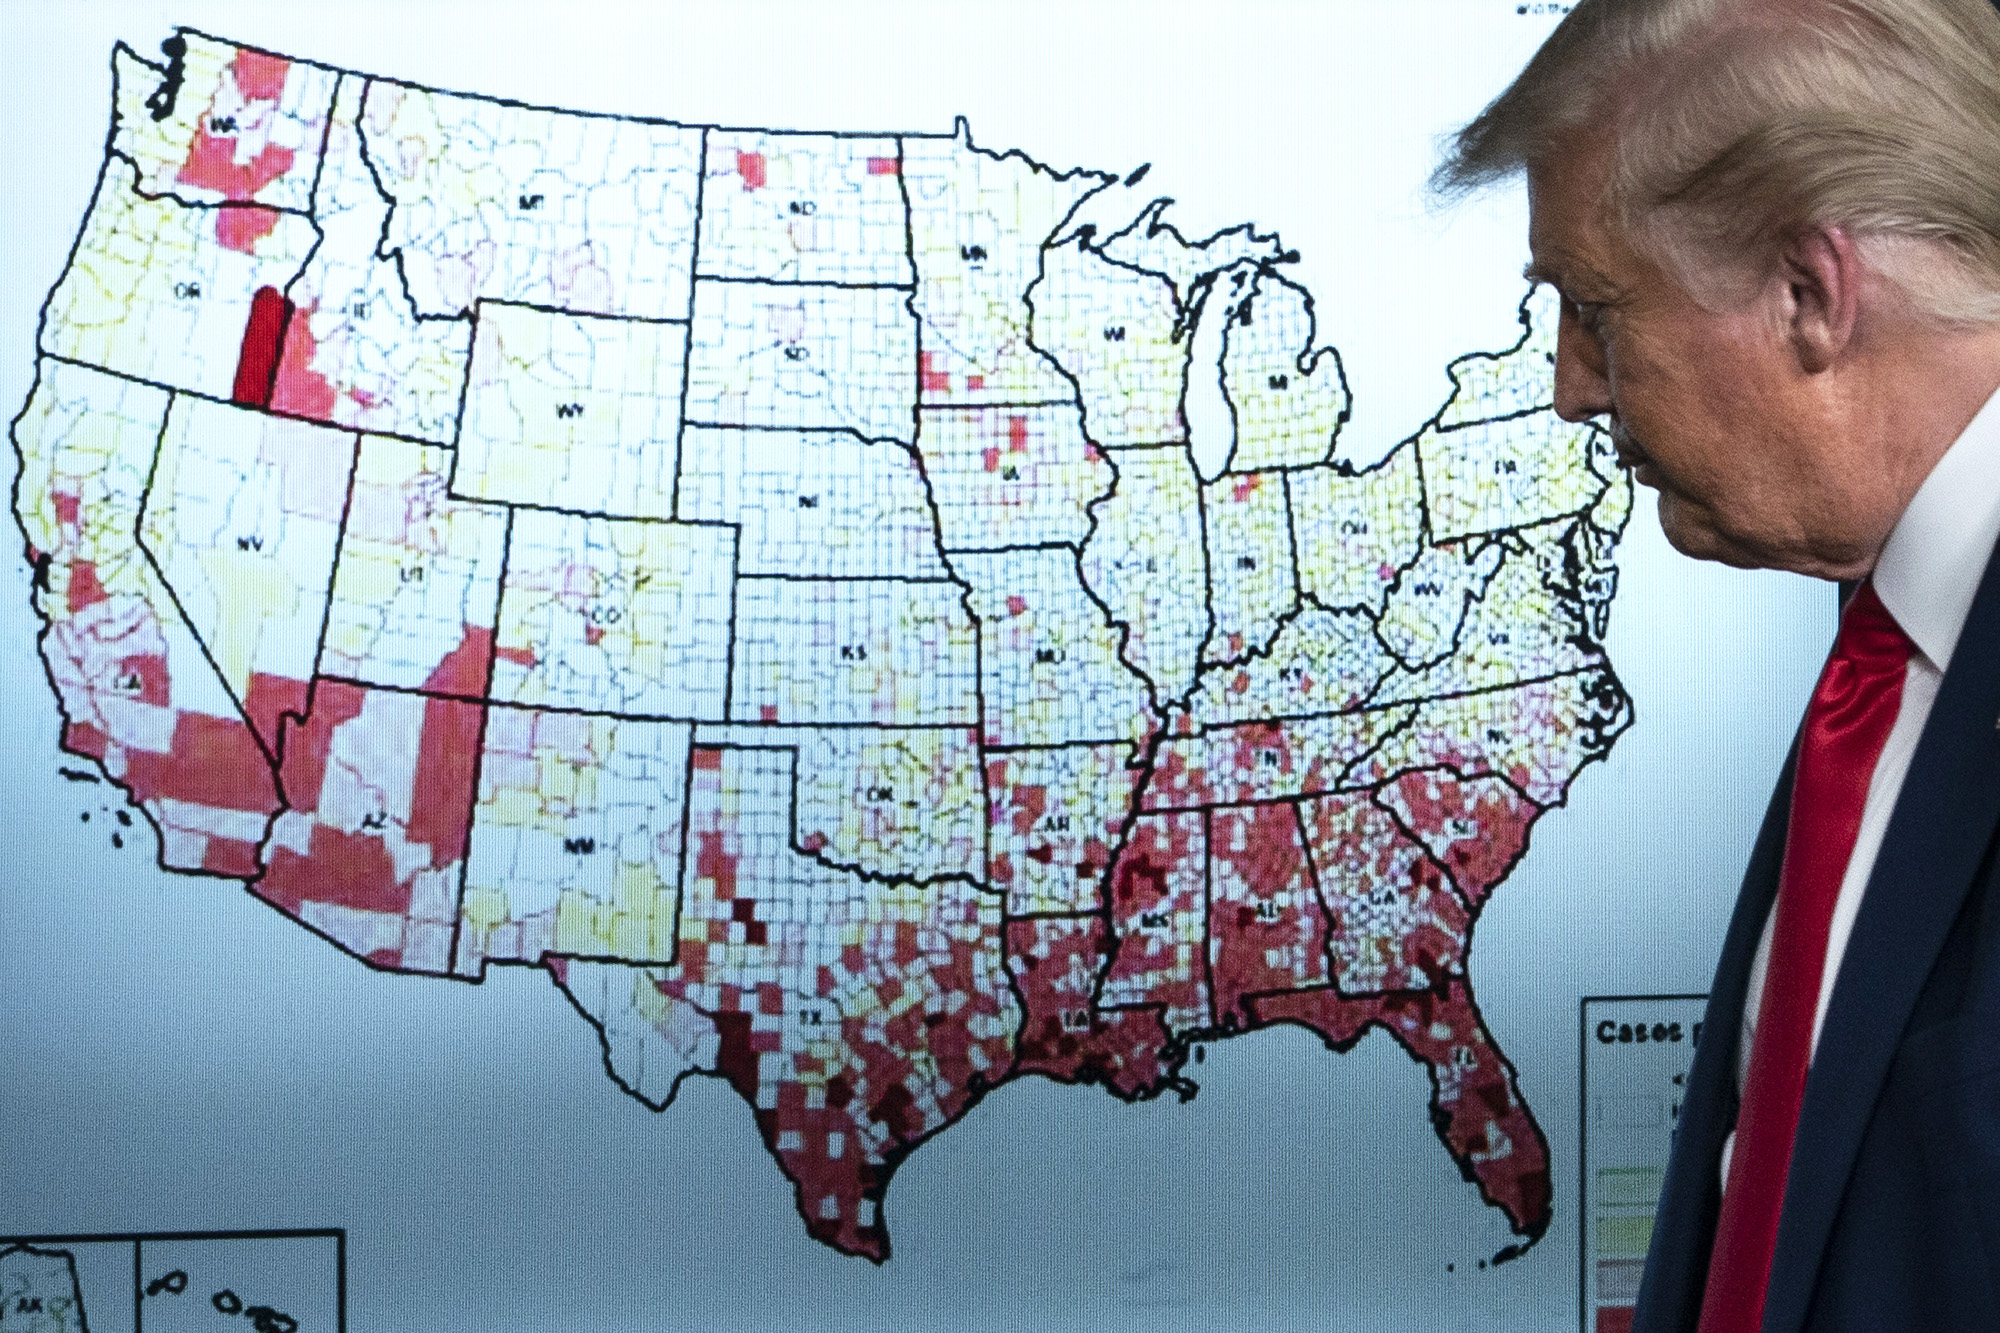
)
(1684, 1228)
(1942, 824)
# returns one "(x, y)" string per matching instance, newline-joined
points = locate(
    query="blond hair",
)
(1737, 123)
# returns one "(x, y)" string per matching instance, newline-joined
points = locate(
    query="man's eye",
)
(1588, 314)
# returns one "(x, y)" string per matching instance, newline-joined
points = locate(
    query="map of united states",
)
(769, 581)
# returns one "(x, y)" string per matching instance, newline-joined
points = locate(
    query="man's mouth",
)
(1632, 456)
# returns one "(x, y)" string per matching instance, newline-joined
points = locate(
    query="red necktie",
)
(1847, 724)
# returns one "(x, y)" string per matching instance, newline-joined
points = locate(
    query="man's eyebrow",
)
(1571, 278)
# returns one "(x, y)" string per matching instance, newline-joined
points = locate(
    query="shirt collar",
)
(1930, 569)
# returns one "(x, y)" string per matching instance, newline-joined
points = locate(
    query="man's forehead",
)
(1569, 237)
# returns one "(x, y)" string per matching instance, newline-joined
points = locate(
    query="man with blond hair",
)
(1775, 229)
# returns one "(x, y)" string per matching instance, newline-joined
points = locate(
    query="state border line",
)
(762, 569)
(1419, 701)
(325, 615)
(42, 353)
(797, 430)
(695, 228)
(453, 958)
(777, 728)
(567, 313)
(736, 281)
(529, 506)
(1071, 403)
(187, 30)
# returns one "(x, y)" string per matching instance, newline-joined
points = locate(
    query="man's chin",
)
(1691, 530)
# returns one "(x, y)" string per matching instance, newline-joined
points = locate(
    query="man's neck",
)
(1922, 384)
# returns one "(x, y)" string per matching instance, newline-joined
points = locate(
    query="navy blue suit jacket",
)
(1892, 1209)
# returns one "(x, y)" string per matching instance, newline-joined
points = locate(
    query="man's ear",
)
(1820, 269)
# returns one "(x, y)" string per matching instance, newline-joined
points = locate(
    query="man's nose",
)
(1583, 386)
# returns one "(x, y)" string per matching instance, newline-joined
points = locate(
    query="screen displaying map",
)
(877, 639)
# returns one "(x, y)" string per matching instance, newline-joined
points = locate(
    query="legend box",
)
(1636, 1053)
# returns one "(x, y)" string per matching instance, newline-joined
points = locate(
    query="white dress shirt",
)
(1927, 576)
